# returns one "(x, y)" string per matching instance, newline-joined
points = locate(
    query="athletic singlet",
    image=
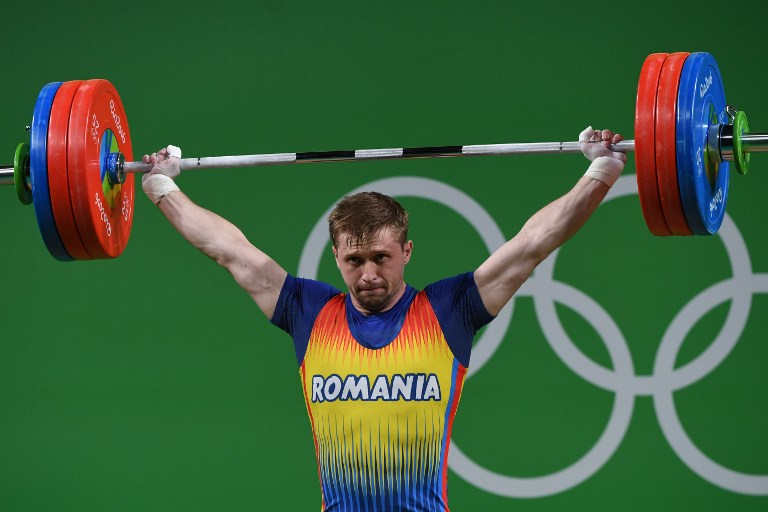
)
(382, 390)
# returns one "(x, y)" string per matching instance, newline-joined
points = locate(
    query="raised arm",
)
(502, 274)
(214, 236)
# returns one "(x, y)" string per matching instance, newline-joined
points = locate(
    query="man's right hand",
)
(166, 165)
(606, 165)
(166, 161)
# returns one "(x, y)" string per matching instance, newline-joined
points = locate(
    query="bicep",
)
(500, 276)
(256, 273)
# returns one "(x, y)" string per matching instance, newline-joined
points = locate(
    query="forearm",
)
(557, 222)
(205, 230)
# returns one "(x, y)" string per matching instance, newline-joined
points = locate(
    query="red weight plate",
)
(666, 144)
(98, 126)
(57, 171)
(645, 145)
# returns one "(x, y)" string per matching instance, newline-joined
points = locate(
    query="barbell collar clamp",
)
(116, 168)
(723, 152)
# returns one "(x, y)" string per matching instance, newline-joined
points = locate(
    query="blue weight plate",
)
(703, 183)
(38, 170)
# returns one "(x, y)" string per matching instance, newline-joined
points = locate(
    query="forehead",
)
(383, 240)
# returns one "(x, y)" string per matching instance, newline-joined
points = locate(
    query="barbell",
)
(77, 171)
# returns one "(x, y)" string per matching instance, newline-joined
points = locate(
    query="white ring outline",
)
(663, 400)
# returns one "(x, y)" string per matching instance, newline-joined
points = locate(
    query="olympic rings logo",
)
(622, 379)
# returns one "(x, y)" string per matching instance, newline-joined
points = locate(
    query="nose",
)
(369, 272)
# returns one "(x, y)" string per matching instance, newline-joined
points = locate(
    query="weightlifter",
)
(382, 365)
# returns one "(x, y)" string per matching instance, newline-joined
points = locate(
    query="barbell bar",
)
(78, 171)
(266, 159)
(751, 142)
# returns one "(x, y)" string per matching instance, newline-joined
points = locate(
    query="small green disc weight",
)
(21, 173)
(740, 127)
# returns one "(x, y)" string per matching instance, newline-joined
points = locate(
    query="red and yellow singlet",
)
(382, 390)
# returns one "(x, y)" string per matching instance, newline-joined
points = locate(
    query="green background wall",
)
(151, 382)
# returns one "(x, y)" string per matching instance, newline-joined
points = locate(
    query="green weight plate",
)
(20, 171)
(740, 157)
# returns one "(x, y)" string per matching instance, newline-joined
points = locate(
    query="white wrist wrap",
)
(605, 169)
(156, 186)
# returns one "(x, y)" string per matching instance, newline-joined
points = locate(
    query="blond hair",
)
(363, 215)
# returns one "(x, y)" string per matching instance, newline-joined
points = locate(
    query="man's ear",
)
(407, 251)
(335, 255)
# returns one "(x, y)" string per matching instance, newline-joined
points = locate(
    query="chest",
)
(416, 366)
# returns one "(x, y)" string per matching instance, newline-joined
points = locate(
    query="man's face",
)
(373, 272)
